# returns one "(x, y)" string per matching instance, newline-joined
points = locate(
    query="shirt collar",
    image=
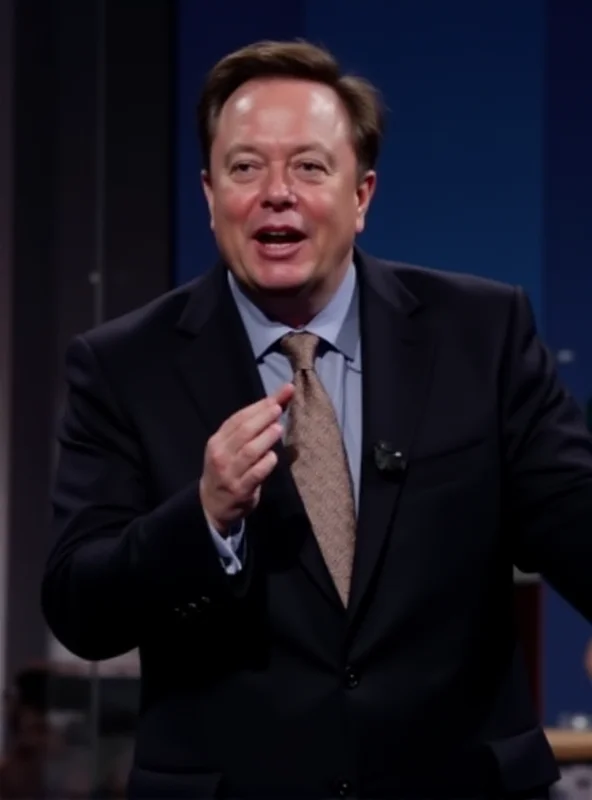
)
(337, 323)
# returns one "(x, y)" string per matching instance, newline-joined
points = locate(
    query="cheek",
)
(322, 209)
(331, 209)
(234, 206)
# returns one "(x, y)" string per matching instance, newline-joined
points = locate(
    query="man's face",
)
(285, 195)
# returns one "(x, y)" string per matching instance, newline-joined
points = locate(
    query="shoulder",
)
(466, 313)
(139, 345)
(440, 287)
(152, 320)
(152, 330)
(451, 299)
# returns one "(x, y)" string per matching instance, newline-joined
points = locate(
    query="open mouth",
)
(279, 236)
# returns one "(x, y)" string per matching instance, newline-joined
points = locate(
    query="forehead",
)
(283, 110)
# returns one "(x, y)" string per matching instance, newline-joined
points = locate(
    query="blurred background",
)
(487, 168)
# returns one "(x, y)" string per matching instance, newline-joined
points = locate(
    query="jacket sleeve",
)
(548, 465)
(119, 565)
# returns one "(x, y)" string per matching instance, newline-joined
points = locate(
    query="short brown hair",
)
(300, 60)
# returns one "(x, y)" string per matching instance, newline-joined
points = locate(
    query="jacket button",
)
(344, 788)
(199, 606)
(193, 609)
(352, 679)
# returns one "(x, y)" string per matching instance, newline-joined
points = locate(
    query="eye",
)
(243, 168)
(311, 167)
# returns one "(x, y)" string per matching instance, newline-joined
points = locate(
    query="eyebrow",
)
(303, 148)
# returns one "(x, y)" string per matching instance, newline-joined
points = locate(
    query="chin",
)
(281, 278)
(277, 291)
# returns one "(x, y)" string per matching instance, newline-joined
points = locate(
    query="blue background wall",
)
(477, 174)
(567, 282)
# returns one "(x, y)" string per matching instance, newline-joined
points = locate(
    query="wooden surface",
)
(570, 745)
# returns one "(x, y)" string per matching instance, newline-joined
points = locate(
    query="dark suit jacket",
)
(263, 685)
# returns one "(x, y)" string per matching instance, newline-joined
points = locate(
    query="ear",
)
(206, 185)
(364, 194)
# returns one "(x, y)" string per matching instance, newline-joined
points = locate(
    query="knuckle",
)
(235, 487)
(244, 429)
(250, 450)
(256, 476)
(234, 420)
(215, 454)
(260, 470)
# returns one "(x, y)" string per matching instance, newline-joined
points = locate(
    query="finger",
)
(255, 476)
(261, 416)
(250, 421)
(252, 451)
(284, 394)
(249, 430)
(281, 397)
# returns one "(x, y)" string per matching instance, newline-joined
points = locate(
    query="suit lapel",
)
(218, 368)
(397, 354)
(216, 363)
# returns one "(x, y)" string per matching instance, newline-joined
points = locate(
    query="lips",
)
(279, 235)
(278, 243)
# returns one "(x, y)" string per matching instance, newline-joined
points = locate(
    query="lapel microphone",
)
(389, 461)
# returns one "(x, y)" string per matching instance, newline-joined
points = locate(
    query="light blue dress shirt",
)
(338, 365)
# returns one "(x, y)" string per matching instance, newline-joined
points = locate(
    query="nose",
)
(277, 190)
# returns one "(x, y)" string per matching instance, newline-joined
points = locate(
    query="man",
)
(300, 483)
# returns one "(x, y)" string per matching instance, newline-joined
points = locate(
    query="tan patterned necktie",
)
(320, 466)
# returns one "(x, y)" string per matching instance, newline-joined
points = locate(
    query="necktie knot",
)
(301, 349)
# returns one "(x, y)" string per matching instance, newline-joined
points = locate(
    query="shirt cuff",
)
(230, 548)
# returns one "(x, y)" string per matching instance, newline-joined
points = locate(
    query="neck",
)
(295, 311)
(296, 317)
(297, 308)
